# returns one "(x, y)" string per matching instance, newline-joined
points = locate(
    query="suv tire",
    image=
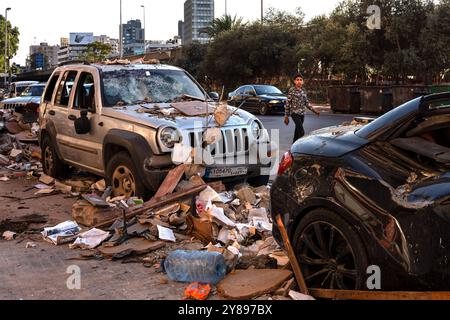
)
(122, 175)
(330, 252)
(52, 164)
(264, 109)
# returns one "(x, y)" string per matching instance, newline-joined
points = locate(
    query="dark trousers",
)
(299, 130)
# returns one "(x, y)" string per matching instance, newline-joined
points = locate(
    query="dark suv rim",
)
(123, 182)
(327, 258)
(48, 159)
(264, 109)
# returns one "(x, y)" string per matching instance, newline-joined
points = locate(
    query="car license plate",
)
(226, 172)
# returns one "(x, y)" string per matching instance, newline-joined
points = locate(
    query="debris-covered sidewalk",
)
(189, 233)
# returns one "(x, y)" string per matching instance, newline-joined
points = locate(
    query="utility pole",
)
(226, 7)
(6, 45)
(121, 33)
(143, 7)
(262, 11)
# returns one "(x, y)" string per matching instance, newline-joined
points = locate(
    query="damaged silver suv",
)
(123, 122)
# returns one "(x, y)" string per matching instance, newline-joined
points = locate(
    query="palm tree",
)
(224, 23)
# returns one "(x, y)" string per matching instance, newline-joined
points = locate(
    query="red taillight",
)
(286, 163)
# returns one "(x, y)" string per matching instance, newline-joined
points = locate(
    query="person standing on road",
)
(296, 105)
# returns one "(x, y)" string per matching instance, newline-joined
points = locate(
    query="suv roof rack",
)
(66, 63)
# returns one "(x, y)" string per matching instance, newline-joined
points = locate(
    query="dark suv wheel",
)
(330, 252)
(52, 164)
(122, 175)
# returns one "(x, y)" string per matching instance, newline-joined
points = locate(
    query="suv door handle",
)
(51, 112)
(72, 117)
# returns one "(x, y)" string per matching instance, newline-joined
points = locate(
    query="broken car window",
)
(143, 86)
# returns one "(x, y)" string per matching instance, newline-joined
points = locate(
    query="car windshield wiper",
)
(185, 97)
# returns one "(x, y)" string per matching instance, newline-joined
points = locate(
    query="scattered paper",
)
(219, 216)
(30, 245)
(166, 234)
(9, 235)
(45, 179)
(44, 191)
(62, 233)
(4, 179)
(90, 239)
(15, 152)
(182, 154)
(300, 296)
(41, 186)
(209, 194)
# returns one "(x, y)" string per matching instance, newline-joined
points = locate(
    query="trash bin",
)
(405, 93)
(344, 99)
(440, 88)
(376, 99)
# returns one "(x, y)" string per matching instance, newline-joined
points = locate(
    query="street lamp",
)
(121, 33)
(143, 7)
(6, 45)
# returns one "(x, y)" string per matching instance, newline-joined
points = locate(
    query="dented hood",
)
(156, 119)
(330, 142)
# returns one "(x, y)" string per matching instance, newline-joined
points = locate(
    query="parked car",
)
(373, 195)
(260, 98)
(27, 103)
(18, 87)
(119, 122)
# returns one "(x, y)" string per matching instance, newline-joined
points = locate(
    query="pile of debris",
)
(185, 214)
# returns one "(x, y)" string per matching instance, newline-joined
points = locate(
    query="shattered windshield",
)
(127, 87)
(33, 91)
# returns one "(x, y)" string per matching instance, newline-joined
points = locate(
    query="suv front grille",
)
(9, 106)
(235, 142)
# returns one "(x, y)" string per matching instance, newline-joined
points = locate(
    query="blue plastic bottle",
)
(195, 266)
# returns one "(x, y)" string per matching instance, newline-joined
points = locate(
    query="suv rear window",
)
(64, 88)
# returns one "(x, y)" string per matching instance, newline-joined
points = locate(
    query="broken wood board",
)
(136, 246)
(171, 181)
(248, 284)
(193, 108)
(377, 295)
(87, 215)
(156, 203)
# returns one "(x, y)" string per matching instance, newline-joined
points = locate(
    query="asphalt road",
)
(312, 122)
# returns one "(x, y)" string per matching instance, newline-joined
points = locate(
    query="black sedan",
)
(258, 98)
(377, 197)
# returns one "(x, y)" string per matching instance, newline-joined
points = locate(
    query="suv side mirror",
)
(215, 96)
(83, 124)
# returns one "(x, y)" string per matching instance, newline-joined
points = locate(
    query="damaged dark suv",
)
(373, 195)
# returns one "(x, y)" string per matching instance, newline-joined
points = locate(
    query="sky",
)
(49, 20)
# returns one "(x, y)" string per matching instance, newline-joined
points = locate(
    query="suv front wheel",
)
(122, 176)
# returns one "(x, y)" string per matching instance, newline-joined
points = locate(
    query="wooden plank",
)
(292, 258)
(171, 181)
(377, 295)
(193, 108)
(155, 203)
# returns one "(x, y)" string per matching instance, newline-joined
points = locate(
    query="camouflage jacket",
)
(297, 102)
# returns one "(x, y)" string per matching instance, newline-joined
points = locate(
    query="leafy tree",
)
(13, 40)
(224, 23)
(96, 52)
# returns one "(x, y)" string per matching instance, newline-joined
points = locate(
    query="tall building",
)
(43, 56)
(114, 43)
(198, 14)
(133, 37)
(78, 42)
(180, 29)
(64, 42)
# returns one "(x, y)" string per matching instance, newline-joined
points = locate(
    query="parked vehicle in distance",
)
(264, 99)
(373, 195)
(123, 121)
(16, 88)
(26, 104)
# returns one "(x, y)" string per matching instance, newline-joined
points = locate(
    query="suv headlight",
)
(169, 137)
(274, 101)
(256, 129)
